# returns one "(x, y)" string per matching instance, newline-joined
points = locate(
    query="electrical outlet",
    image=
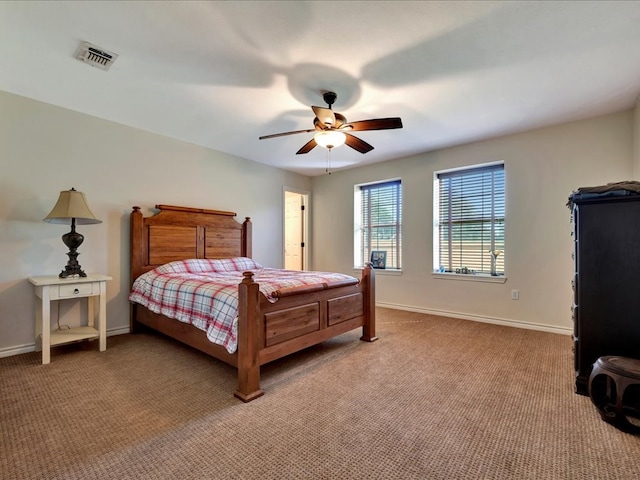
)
(515, 295)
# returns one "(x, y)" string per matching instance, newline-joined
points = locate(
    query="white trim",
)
(470, 278)
(379, 271)
(17, 350)
(478, 318)
(27, 348)
(375, 182)
(31, 347)
(118, 331)
(468, 167)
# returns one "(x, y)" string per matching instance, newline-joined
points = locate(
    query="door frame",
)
(306, 201)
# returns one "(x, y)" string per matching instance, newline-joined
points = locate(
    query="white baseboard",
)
(16, 350)
(20, 349)
(117, 331)
(31, 347)
(478, 318)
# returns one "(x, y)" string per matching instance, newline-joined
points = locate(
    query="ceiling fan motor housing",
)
(329, 98)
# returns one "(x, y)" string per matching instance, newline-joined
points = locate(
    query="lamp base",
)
(72, 272)
(72, 268)
(72, 240)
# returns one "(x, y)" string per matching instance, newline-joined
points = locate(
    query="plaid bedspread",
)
(204, 293)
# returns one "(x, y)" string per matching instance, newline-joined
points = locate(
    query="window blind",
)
(381, 220)
(471, 219)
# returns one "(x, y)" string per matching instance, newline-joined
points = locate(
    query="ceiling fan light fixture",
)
(330, 139)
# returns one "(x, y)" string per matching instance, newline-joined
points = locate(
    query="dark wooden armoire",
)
(606, 283)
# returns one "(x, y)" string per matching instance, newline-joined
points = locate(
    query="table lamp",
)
(72, 207)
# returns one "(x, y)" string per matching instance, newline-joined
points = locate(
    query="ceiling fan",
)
(332, 129)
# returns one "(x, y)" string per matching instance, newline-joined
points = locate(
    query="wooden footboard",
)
(268, 331)
(301, 317)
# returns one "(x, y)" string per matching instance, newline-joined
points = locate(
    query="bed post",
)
(248, 339)
(136, 241)
(369, 282)
(247, 236)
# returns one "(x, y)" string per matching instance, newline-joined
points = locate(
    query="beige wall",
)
(542, 168)
(45, 149)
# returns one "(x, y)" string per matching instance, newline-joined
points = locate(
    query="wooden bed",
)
(301, 316)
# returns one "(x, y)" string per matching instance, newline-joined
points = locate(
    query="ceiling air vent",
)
(95, 56)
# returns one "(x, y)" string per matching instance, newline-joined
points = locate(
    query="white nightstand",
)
(51, 287)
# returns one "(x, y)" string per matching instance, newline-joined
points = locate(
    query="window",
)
(378, 221)
(469, 220)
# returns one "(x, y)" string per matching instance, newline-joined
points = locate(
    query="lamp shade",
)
(329, 139)
(71, 204)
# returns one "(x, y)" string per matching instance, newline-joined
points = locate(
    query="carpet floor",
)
(433, 398)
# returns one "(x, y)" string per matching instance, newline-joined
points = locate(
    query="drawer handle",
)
(76, 291)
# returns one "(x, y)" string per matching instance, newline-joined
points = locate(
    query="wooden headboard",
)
(180, 233)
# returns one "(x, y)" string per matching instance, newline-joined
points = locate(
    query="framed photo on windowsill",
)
(379, 259)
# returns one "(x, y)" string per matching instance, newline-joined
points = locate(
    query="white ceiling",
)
(222, 73)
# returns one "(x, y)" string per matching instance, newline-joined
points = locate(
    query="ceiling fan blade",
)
(375, 124)
(357, 144)
(286, 133)
(307, 147)
(325, 115)
(340, 120)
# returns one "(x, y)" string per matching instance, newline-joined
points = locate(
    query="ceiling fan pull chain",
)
(328, 168)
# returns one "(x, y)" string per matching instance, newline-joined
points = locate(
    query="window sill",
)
(470, 278)
(382, 271)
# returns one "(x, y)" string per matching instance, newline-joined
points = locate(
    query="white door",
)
(294, 229)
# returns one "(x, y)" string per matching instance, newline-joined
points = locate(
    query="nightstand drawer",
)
(75, 290)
